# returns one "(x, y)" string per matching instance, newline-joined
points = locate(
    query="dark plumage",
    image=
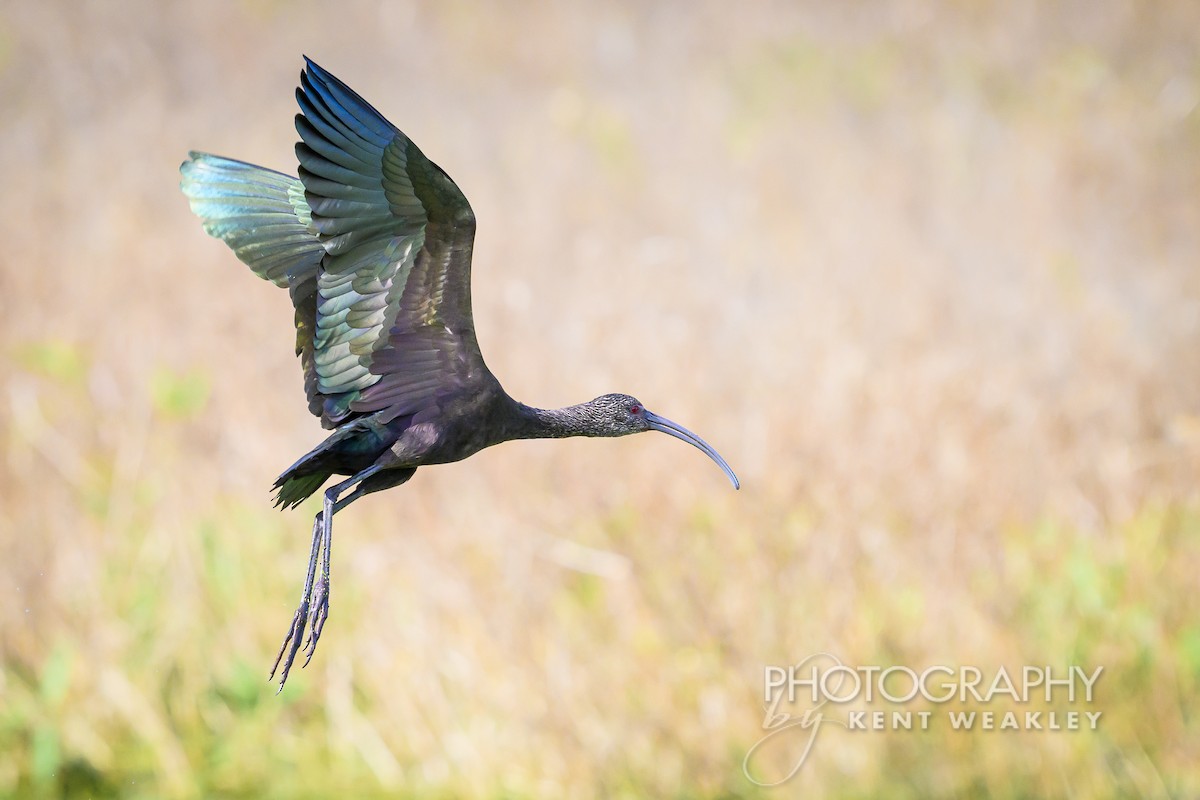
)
(373, 242)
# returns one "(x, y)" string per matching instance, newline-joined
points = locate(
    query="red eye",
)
(635, 409)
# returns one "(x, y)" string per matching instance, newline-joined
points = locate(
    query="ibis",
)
(373, 242)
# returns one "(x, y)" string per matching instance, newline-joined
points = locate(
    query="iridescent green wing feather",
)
(263, 217)
(261, 214)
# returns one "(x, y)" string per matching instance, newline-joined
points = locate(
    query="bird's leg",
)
(314, 604)
(369, 480)
(295, 633)
(379, 479)
(320, 599)
(319, 610)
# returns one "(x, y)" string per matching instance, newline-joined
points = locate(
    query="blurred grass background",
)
(925, 273)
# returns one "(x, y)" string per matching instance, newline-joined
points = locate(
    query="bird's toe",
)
(295, 636)
(320, 613)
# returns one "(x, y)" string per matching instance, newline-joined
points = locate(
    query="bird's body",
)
(373, 242)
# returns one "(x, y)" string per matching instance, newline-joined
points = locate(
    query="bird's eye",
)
(635, 409)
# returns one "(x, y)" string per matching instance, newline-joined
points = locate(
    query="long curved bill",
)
(665, 425)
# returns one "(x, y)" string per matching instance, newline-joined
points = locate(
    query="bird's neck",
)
(550, 423)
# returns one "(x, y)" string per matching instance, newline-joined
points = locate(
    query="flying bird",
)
(373, 242)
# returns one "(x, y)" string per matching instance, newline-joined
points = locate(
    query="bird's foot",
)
(295, 635)
(320, 613)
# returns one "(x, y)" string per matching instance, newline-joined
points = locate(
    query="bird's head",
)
(621, 415)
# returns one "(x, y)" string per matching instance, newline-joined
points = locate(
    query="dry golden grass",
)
(926, 274)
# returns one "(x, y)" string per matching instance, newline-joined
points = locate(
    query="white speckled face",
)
(623, 411)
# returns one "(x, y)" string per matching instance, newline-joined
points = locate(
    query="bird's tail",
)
(293, 489)
(351, 447)
(307, 475)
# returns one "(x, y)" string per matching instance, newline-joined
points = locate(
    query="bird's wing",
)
(260, 213)
(393, 327)
(263, 216)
